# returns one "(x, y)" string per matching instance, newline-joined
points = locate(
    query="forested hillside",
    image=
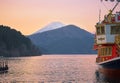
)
(13, 43)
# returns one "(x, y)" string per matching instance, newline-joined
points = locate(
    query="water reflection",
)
(57, 69)
(107, 76)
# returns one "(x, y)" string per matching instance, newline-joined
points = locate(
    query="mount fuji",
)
(68, 39)
(51, 26)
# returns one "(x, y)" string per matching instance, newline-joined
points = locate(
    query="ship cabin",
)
(107, 37)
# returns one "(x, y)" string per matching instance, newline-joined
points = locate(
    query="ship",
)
(107, 39)
(3, 65)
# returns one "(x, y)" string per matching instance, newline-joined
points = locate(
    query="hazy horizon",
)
(29, 16)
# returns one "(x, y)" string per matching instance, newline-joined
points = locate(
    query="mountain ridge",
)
(14, 44)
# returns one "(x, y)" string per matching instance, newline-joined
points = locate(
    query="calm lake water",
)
(52, 69)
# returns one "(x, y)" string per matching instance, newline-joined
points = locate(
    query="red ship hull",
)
(108, 56)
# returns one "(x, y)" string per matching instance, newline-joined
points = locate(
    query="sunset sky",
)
(29, 16)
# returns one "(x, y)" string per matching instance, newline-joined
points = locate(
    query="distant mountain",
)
(51, 26)
(69, 39)
(13, 43)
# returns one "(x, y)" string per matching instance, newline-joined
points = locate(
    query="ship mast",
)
(109, 15)
(115, 7)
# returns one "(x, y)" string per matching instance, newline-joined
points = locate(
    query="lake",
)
(52, 69)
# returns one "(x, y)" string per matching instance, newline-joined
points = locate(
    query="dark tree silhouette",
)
(13, 43)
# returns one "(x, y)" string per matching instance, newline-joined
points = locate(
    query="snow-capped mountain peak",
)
(51, 26)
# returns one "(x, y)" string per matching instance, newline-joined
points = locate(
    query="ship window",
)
(115, 29)
(100, 30)
(105, 51)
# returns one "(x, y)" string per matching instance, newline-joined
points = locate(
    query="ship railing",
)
(101, 59)
(117, 43)
(118, 51)
(98, 59)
